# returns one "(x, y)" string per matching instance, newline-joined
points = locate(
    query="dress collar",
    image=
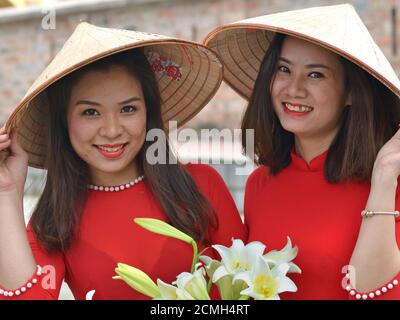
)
(316, 164)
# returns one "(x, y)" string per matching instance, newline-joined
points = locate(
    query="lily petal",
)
(251, 293)
(194, 284)
(167, 291)
(225, 253)
(244, 276)
(294, 268)
(237, 245)
(206, 260)
(286, 285)
(261, 267)
(219, 273)
(280, 270)
(256, 248)
(183, 295)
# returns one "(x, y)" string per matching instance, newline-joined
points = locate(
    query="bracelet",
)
(372, 294)
(33, 280)
(369, 213)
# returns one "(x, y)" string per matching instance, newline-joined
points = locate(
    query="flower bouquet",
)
(244, 272)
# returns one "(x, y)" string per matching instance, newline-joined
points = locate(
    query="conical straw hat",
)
(242, 45)
(188, 76)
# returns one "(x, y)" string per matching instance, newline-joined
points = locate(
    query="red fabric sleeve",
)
(393, 290)
(53, 271)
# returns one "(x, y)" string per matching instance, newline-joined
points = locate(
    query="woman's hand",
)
(13, 163)
(387, 163)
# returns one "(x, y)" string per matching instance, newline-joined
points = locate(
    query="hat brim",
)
(242, 45)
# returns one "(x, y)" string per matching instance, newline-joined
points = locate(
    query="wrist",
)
(12, 195)
(384, 178)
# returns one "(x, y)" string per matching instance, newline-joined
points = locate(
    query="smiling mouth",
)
(114, 151)
(110, 148)
(297, 108)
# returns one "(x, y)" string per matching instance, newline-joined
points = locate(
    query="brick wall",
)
(25, 48)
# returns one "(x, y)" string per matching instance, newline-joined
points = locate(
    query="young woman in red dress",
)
(99, 178)
(328, 146)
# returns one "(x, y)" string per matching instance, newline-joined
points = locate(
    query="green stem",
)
(195, 256)
(244, 298)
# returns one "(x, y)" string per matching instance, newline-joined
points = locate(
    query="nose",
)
(295, 87)
(111, 127)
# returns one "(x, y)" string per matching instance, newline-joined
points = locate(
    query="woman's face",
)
(107, 123)
(308, 90)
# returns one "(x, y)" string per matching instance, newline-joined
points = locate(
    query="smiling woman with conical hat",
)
(85, 119)
(324, 103)
(188, 75)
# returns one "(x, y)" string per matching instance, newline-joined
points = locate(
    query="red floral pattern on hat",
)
(162, 64)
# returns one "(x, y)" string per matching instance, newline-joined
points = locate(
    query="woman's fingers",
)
(4, 137)
(4, 144)
(4, 150)
(11, 141)
(16, 148)
(3, 134)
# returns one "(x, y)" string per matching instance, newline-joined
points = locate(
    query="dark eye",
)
(128, 109)
(90, 112)
(316, 75)
(283, 69)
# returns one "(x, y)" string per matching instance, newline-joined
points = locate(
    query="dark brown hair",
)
(371, 120)
(56, 218)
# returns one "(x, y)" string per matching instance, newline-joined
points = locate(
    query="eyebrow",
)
(309, 66)
(93, 103)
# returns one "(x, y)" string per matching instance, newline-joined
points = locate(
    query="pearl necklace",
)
(116, 188)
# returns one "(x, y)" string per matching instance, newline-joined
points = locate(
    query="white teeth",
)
(297, 108)
(110, 149)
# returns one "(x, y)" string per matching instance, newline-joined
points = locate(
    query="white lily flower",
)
(237, 258)
(285, 255)
(265, 283)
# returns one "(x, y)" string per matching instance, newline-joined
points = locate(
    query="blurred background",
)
(32, 32)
